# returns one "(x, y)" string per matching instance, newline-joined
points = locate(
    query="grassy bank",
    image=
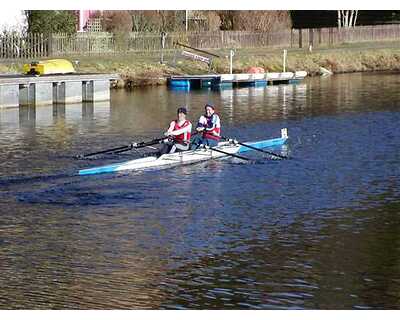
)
(145, 69)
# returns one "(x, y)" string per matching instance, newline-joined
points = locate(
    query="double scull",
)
(187, 157)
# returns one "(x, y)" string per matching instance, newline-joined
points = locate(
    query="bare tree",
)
(204, 20)
(157, 20)
(347, 18)
(255, 20)
(227, 17)
(355, 17)
(117, 21)
(213, 20)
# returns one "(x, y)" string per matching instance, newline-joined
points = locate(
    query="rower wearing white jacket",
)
(178, 133)
(208, 129)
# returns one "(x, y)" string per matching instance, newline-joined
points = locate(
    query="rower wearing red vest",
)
(179, 133)
(208, 128)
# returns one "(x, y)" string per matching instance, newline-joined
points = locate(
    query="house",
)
(89, 20)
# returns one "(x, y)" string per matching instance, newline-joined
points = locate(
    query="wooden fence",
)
(29, 46)
(144, 42)
(39, 46)
(332, 36)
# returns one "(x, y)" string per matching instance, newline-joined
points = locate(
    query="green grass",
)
(145, 68)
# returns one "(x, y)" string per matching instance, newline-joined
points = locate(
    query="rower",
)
(178, 134)
(208, 129)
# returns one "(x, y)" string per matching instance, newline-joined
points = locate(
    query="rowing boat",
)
(47, 67)
(187, 157)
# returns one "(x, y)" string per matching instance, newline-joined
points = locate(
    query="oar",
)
(81, 156)
(140, 145)
(227, 153)
(254, 148)
(122, 148)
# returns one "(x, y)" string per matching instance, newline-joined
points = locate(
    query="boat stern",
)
(284, 133)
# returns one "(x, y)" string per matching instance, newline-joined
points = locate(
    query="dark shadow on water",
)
(5, 182)
(66, 197)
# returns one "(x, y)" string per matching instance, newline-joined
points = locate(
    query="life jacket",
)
(183, 137)
(215, 133)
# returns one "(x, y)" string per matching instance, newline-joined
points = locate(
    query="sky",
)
(11, 19)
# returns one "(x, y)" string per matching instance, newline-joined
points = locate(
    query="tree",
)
(214, 20)
(143, 20)
(157, 20)
(347, 18)
(51, 21)
(117, 21)
(208, 20)
(170, 20)
(174, 20)
(263, 20)
(227, 19)
(255, 20)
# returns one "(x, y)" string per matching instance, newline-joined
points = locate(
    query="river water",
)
(318, 231)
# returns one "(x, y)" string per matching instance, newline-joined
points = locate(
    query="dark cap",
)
(182, 110)
(209, 105)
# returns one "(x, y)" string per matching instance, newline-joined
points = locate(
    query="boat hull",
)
(185, 157)
(46, 67)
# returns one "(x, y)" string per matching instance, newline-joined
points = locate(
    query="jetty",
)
(235, 80)
(20, 90)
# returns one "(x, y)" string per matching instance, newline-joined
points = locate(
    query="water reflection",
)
(141, 110)
(317, 231)
(46, 116)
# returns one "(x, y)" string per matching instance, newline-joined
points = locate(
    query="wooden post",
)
(23, 47)
(163, 36)
(12, 47)
(34, 45)
(291, 38)
(20, 46)
(186, 20)
(300, 39)
(15, 46)
(284, 60)
(49, 44)
(42, 46)
(231, 54)
(32, 50)
(27, 45)
(319, 37)
(38, 51)
(311, 37)
(12, 53)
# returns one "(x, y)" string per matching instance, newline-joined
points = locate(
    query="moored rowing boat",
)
(187, 157)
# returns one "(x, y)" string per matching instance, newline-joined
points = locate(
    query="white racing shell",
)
(185, 157)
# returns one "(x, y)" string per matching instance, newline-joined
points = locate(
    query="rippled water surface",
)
(318, 231)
